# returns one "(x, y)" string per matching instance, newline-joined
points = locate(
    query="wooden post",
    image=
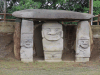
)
(91, 9)
(98, 20)
(17, 39)
(4, 16)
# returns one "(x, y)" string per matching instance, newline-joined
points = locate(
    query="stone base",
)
(26, 54)
(80, 59)
(27, 60)
(53, 60)
(53, 56)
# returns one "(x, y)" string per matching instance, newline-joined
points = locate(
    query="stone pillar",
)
(52, 35)
(83, 42)
(26, 51)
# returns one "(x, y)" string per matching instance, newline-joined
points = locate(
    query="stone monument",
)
(52, 35)
(26, 51)
(83, 42)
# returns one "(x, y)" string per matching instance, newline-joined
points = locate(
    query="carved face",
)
(26, 40)
(84, 43)
(52, 31)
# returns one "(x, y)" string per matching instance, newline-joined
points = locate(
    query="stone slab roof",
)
(45, 14)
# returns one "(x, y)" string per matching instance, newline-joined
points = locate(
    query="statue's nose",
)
(52, 32)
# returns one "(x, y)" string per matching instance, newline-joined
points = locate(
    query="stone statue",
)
(83, 42)
(52, 35)
(26, 51)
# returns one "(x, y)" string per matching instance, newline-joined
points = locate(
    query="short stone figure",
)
(26, 51)
(52, 34)
(83, 42)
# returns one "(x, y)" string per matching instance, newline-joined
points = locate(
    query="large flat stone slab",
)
(45, 14)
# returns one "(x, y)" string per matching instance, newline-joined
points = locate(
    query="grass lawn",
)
(11, 66)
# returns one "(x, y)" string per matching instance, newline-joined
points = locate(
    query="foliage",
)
(1, 6)
(96, 7)
(73, 5)
(24, 4)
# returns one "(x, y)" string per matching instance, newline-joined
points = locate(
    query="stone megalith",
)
(83, 42)
(52, 35)
(26, 51)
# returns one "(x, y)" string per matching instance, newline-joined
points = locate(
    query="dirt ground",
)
(10, 66)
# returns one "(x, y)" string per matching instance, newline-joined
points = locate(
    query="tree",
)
(23, 4)
(73, 5)
(96, 7)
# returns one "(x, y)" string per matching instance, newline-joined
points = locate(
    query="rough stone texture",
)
(52, 41)
(53, 55)
(51, 14)
(79, 59)
(83, 41)
(27, 28)
(27, 40)
(26, 52)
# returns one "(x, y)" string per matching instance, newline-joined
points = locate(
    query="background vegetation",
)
(73, 5)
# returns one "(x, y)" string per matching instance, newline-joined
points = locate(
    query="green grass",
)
(14, 67)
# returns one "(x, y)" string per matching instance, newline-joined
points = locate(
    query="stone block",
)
(27, 60)
(27, 40)
(27, 26)
(26, 54)
(53, 56)
(52, 35)
(81, 59)
(52, 45)
(83, 41)
(46, 14)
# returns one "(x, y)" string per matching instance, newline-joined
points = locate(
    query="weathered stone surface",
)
(26, 52)
(52, 35)
(51, 14)
(27, 40)
(53, 45)
(53, 56)
(79, 59)
(83, 41)
(27, 26)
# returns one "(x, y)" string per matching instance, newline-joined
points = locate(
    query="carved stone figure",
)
(26, 52)
(52, 41)
(83, 42)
